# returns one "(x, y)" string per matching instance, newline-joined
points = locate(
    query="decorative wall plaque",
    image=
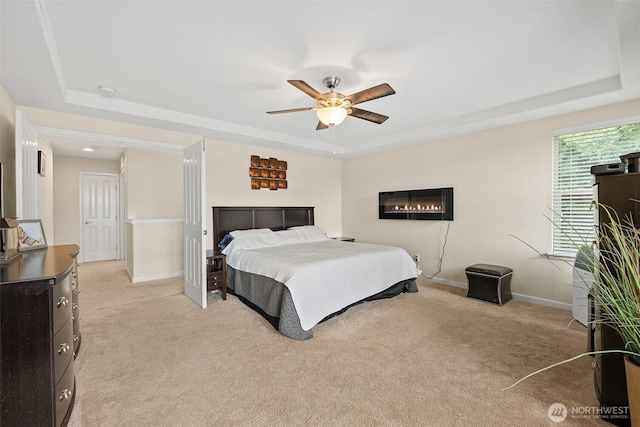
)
(268, 173)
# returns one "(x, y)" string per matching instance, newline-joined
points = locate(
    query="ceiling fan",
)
(333, 107)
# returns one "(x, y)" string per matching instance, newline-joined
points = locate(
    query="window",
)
(573, 156)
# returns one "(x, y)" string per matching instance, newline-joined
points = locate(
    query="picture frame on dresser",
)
(31, 235)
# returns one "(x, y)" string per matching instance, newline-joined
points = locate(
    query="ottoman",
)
(490, 283)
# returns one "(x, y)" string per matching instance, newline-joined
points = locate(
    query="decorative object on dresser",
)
(31, 235)
(40, 336)
(631, 162)
(268, 173)
(8, 240)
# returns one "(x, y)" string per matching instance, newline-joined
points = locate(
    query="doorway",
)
(99, 224)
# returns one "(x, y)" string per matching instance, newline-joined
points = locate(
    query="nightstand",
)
(217, 272)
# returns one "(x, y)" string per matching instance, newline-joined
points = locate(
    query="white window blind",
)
(573, 156)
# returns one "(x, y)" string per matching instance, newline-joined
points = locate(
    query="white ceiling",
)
(213, 68)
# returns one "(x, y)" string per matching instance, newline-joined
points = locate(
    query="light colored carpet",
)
(151, 357)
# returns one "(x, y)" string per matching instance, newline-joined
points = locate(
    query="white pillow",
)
(238, 233)
(262, 240)
(310, 233)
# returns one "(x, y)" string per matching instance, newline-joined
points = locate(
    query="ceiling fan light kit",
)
(331, 116)
(334, 107)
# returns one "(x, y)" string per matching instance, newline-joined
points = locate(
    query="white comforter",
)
(322, 275)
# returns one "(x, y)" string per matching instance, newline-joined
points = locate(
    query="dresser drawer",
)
(62, 349)
(215, 276)
(215, 283)
(64, 394)
(61, 304)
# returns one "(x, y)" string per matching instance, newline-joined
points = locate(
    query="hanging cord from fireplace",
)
(444, 244)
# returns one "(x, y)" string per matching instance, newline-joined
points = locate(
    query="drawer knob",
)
(74, 306)
(64, 348)
(65, 395)
(75, 338)
(63, 302)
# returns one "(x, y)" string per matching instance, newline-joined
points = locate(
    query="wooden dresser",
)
(40, 337)
(618, 192)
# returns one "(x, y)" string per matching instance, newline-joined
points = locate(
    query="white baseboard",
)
(517, 297)
(542, 301)
(447, 282)
(157, 277)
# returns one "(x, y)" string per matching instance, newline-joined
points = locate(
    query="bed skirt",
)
(272, 300)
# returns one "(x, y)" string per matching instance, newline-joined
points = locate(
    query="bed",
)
(284, 267)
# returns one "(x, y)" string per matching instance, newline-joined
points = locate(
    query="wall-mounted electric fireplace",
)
(434, 204)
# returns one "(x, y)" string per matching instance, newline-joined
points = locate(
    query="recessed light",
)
(87, 149)
(107, 90)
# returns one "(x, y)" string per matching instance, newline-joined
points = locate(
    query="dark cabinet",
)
(609, 375)
(37, 343)
(217, 272)
(617, 192)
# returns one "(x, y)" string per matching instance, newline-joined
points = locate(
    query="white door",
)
(99, 201)
(195, 283)
(26, 168)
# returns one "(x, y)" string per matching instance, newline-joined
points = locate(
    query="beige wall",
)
(154, 183)
(8, 152)
(156, 250)
(311, 180)
(502, 188)
(155, 211)
(66, 193)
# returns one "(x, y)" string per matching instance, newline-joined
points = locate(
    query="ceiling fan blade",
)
(321, 126)
(372, 93)
(292, 110)
(307, 89)
(368, 115)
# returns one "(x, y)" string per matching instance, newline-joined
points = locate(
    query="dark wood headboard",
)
(226, 219)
